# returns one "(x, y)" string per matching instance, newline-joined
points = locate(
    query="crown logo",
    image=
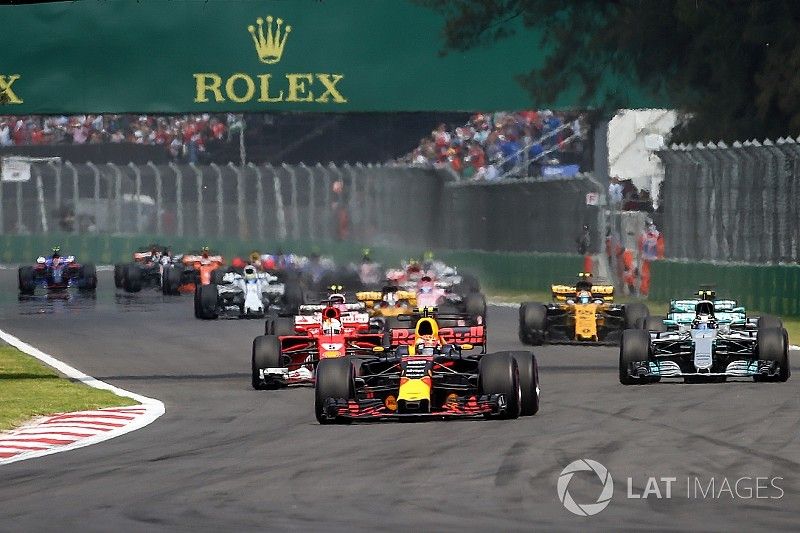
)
(269, 45)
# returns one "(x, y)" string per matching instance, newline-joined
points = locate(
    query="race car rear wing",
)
(563, 292)
(370, 298)
(475, 335)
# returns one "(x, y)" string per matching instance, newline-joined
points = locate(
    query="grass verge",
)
(28, 388)
(792, 324)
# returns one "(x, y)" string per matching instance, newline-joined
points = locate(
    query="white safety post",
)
(259, 199)
(96, 195)
(40, 197)
(137, 172)
(178, 196)
(159, 198)
(220, 202)
(293, 201)
(240, 215)
(117, 196)
(198, 176)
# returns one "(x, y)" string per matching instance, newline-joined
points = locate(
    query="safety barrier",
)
(770, 289)
(498, 271)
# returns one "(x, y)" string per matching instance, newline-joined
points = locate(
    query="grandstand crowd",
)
(491, 145)
(187, 138)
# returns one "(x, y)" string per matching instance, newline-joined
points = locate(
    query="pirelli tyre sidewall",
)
(132, 281)
(498, 373)
(283, 325)
(207, 301)
(27, 283)
(772, 345)
(171, 282)
(528, 381)
(335, 378)
(634, 348)
(119, 275)
(266, 354)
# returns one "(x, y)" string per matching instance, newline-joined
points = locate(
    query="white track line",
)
(150, 408)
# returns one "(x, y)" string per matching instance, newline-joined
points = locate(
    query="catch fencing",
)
(732, 203)
(365, 204)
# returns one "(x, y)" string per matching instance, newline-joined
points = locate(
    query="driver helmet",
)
(427, 344)
(250, 272)
(56, 251)
(255, 257)
(331, 326)
(426, 285)
(204, 252)
(704, 311)
(584, 297)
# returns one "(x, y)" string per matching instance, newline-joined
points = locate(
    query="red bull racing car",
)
(428, 372)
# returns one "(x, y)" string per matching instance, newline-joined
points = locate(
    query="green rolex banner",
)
(270, 55)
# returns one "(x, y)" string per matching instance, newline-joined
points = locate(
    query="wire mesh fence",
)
(369, 204)
(732, 203)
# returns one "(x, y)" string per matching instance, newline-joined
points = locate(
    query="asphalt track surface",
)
(227, 458)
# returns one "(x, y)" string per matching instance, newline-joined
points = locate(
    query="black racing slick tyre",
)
(769, 322)
(27, 284)
(132, 281)
(498, 373)
(654, 324)
(88, 277)
(283, 325)
(119, 275)
(633, 313)
(207, 299)
(475, 305)
(292, 298)
(266, 354)
(171, 280)
(772, 346)
(528, 382)
(335, 379)
(532, 323)
(634, 348)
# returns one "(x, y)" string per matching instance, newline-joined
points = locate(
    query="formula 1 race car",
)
(188, 271)
(430, 377)
(145, 270)
(293, 346)
(247, 295)
(57, 274)
(705, 339)
(389, 302)
(580, 313)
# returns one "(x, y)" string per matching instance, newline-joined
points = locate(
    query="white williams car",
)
(247, 295)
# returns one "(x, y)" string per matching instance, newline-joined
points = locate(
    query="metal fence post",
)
(159, 198)
(137, 172)
(220, 202)
(117, 197)
(280, 212)
(95, 194)
(312, 234)
(259, 200)
(178, 197)
(57, 171)
(293, 201)
(326, 222)
(240, 215)
(40, 197)
(20, 224)
(198, 176)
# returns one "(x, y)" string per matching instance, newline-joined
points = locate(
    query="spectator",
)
(615, 193)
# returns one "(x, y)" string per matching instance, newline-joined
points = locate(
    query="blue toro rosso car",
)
(57, 274)
(705, 339)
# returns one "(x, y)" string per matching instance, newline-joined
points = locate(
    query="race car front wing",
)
(377, 409)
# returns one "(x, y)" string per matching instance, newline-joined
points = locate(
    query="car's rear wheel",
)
(119, 275)
(27, 284)
(633, 313)
(335, 379)
(133, 278)
(634, 349)
(498, 373)
(475, 305)
(171, 280)
(772, 346)
(532, 323)
(283, 325)
(208, 297)
(292, 298)
(266, 354)
(88, 277)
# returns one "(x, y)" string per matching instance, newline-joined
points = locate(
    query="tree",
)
(733, 65)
